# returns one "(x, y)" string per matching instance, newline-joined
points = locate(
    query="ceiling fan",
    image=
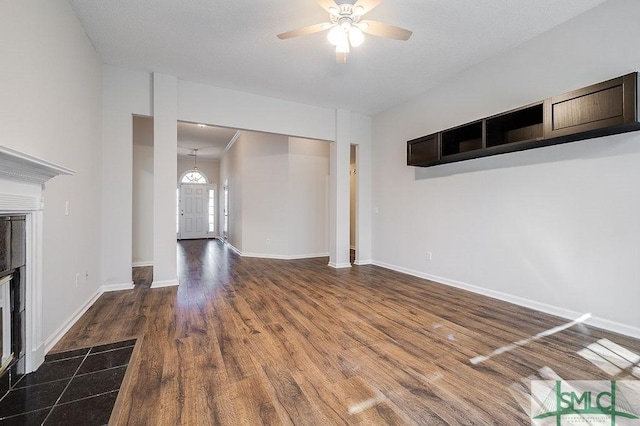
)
(346, 26)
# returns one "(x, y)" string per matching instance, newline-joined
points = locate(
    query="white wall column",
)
(124, 93)
(117, 171)
(339, 192)
(165, 141)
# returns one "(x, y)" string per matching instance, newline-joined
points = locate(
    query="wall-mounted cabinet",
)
(601, 109)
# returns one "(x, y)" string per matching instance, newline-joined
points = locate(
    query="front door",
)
(194, 214)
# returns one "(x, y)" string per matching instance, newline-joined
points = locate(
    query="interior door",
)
(194, 214)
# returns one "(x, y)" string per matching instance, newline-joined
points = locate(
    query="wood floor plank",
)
(265, 341)
(364, 404)
(255, 403)
(235, 354)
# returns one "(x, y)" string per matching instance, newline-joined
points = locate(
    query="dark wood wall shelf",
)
(599, 110)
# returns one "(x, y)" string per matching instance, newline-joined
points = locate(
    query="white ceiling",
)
(233, 44)
(210, 141)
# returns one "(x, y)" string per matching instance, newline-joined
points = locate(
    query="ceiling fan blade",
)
(326, 4)
(367, 5)
(304, 31)
(385, 30)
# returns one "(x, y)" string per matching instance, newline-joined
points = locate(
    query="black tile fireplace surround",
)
(12, 262)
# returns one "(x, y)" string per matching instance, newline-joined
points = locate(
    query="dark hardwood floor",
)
(257, 341)
(142, 277)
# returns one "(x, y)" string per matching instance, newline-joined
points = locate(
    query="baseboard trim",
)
(363, 262)
(285, 256)
(165, 283)
(144, 263)
(614, 326)
(276, 256)
(51, 341)
(116, 287)
(309, 256)
(37, 354)
(339, 265)
(602, 323)
(233, 248)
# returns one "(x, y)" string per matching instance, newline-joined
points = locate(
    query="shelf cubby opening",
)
(462, 139)
(516, 126)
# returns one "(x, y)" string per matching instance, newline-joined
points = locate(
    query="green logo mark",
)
(585, 404)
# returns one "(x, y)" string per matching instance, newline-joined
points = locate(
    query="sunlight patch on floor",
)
(523, 342)
(611, 358)
(361, 406)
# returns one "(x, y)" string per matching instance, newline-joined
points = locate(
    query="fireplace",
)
(22, 179)
(12, 299)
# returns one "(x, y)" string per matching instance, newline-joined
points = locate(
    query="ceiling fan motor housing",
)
(345, 13)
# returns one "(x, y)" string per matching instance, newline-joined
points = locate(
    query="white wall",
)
(199, 103)
(278, 195)
(339, 253)
(50, 108)
(265, 193)
(557, 227)
(308, 223)
(165, 152)
(231, 175)
(142, 191)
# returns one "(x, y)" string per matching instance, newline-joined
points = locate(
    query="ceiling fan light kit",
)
(356, 38)
(346, 30)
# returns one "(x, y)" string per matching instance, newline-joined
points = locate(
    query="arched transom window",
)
(194, 176)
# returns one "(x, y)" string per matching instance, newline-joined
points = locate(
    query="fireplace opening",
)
(12, 300)
(5, 322)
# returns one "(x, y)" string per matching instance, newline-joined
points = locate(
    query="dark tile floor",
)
(70, 388)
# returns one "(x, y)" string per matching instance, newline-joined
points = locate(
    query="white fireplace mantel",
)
(22, 179)
(21, 167)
